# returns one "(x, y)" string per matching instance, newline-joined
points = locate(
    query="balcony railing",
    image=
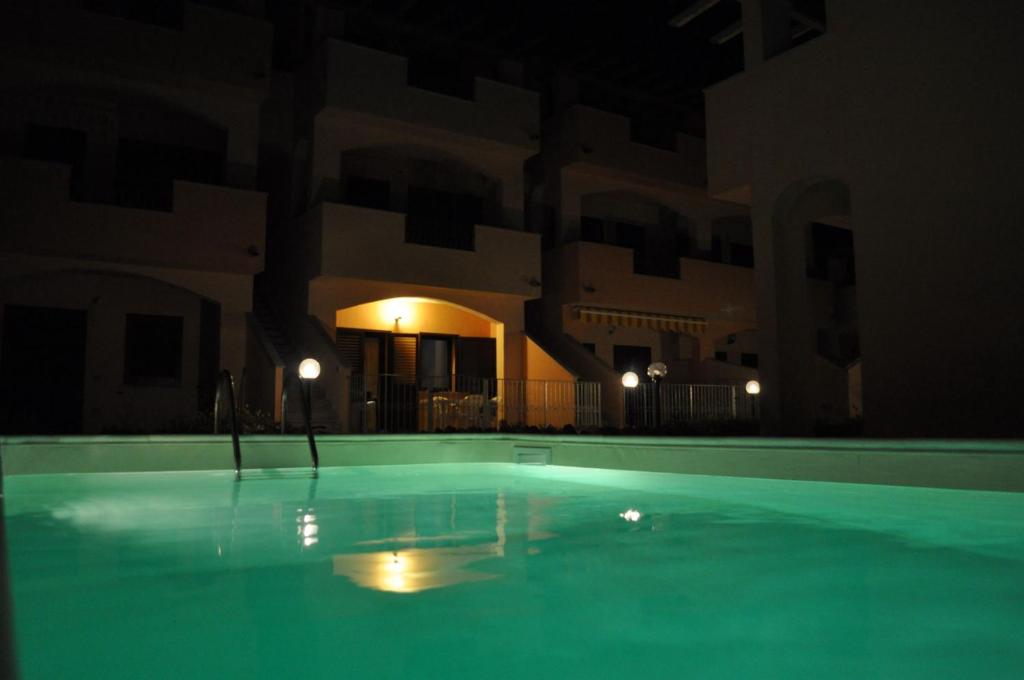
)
(404, 403)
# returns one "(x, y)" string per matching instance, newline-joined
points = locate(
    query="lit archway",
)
(422, 364)
(423, 318)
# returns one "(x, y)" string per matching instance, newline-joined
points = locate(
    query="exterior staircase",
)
(324, 416)
(544, 326)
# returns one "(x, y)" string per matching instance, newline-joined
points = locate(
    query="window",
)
(61, 145)
(146, 171)
(748, 359)
(591, 229)
(634, 358)
(152, 350)
(368, 193)
(721, 356)
(441, 218)
(831, 254)
(435, 366)
(652, 133)
(741, 255)
(682, 243)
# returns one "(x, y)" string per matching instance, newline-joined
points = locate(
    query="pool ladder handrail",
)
(307, 415)
(225, 380)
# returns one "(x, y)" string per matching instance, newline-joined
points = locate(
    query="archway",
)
(809, 347)
(421, 364)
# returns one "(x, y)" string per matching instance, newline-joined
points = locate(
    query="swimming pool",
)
(509, 571)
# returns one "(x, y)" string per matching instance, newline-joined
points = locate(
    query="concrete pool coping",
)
(996, 465)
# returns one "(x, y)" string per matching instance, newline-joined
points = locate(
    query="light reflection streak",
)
(412, 569)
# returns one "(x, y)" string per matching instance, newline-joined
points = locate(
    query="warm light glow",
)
(631, 515)
(397, 311)
(753, 387)
(657, 370)
(309, 369)
(630, 379)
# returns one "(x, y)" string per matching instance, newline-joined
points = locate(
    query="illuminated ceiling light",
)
(396, 310)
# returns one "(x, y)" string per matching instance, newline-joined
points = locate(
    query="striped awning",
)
(693, 325)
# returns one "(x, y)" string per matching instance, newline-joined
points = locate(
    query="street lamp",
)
(630, 380)
(656, 372)
(309, 370)
(753, 390)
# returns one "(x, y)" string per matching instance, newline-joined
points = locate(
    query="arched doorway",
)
(421, 364)
(809, 335)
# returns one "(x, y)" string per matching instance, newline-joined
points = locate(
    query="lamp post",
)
(629, 382)
(753, 388)
(309, 370)
(656, 372)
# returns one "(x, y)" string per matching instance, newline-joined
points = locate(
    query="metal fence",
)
(669, 404)
(403, 403)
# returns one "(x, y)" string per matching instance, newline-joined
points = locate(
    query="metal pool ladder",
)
(226, 385)
(307, 416)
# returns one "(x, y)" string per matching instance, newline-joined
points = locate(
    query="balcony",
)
(360, 80)
(355, 242)
(603, 276)
(594, 137)
(211, 228)
(193, 45)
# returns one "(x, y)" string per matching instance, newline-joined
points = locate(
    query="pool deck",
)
(996, 465)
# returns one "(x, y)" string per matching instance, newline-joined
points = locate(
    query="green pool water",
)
(503, 571)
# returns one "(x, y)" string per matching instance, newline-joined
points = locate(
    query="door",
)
(42, 370)
(435, 362)
(476, 365)
(398, 390)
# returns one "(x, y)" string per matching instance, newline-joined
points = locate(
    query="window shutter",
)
(403, 358)
(350, 347)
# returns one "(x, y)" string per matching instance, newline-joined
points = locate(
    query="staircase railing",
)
(307, 415)
(226, 386)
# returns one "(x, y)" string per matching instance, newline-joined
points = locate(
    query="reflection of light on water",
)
(416, 569)
(501, 517)
(412, 569)
(307, 528)
(631, 515)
